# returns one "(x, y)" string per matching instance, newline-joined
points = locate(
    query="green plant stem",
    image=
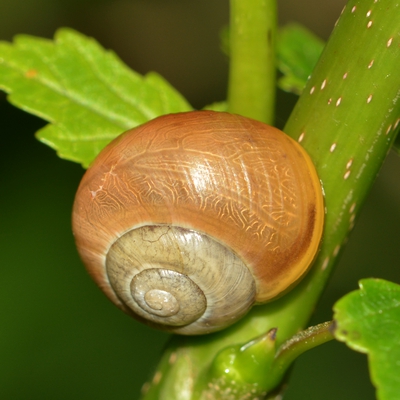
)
(347, 118)
(300, 343)
(251, 90)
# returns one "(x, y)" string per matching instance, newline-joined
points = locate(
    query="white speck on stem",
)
(323, 84)
(325, 264)
(361, 170)
(353, 9)
(369, 99)
(323, 192)
(388, 129)
(345, 76)
(329, 101)
(349, 163)
(347, 174)
(336, 250)
(301, 137)
(312, 90)
(332, 148)
(339, 100)
(389, 42)
(172, 358)
(369, 24)
(145, 388)
(370, 64)
(157, 377)
(352, 208)
(368, 13)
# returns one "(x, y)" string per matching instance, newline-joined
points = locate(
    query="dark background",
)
(60, 338)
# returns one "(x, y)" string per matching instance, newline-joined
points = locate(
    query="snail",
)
(188, 220)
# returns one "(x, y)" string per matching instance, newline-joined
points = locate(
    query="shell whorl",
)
(179, 278)
(243, 185)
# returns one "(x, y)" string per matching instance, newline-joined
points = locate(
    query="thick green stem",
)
(347, 119)
(251, 90)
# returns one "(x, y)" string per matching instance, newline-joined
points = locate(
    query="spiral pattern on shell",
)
(188, 220)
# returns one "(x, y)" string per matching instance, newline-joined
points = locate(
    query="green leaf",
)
(368, 320)
(298, 51)
(221, 106)
(88, 94)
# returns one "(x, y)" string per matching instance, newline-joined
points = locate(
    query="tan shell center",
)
(160, 300)
(166, 293)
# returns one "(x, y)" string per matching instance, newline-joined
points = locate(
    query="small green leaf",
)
(243, 368)
(87, 93)
(368, 320)
(221, 106)
(298, 51)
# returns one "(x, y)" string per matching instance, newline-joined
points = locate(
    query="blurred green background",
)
(60, 338)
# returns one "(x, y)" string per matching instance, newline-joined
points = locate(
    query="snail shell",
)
(187, 221)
